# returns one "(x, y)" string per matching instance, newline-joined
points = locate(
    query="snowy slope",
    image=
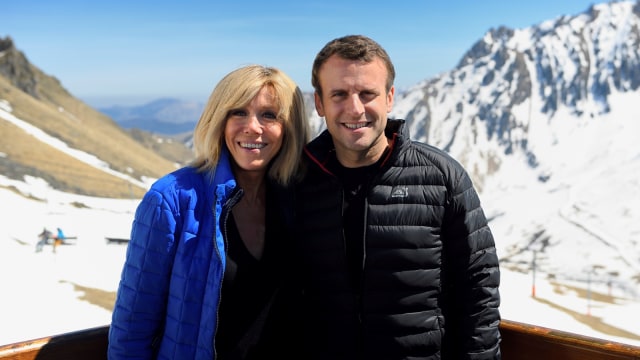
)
(545, 119)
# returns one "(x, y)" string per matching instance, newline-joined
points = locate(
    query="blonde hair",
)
(236, 90)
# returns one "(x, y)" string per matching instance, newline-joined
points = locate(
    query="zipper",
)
(368, 187)
(236, 194)
(360, 296)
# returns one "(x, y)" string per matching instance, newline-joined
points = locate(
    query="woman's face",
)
(253, 133)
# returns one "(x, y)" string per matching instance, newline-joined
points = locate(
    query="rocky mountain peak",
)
(544, 119)
(16, 68)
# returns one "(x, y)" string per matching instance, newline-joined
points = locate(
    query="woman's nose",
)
(254, 124)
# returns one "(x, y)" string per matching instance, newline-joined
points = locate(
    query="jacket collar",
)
(321, 148)
(220, 180)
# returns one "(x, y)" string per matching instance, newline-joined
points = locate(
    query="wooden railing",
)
(528, 342)
(519, 342)
(86, 344)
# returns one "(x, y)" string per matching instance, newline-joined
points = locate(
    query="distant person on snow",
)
(43, 238)
(58, 239)
(60, 234)
(207, 246)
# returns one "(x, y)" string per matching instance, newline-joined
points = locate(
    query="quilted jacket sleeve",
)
(474, 278)
(140, 307)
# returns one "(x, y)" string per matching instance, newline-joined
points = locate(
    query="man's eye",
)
(367, 96)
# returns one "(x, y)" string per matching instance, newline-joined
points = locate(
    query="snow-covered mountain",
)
(546, 121)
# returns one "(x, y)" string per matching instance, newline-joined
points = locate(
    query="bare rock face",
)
(15, 67)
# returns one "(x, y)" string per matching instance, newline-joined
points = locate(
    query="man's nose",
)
(355, 105)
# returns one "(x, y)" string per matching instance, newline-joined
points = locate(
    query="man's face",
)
(355, 105)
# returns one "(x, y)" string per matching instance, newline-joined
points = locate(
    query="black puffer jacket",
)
(430, 277)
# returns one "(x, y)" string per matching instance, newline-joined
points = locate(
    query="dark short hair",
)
(352, 47)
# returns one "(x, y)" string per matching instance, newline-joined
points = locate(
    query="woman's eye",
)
(238, 112)
(270, 115)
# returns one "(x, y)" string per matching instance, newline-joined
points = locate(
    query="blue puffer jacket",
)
(169, 291)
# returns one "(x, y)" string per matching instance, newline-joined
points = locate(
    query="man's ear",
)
(318, 101)
(390, 95)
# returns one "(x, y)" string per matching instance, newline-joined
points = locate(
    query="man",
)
(396, 258)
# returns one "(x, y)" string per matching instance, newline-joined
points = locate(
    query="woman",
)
(201, 268)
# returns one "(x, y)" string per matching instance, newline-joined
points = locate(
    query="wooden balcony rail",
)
(519, 342)
(528, 342)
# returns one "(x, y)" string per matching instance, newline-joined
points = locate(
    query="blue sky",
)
(130, 52)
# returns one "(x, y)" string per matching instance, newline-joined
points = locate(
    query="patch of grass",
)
(79, 205)
(593, 322)
(102, 298)
(78, 127)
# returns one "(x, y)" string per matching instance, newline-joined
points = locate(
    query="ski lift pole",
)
(533, 271)
(589, 292)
